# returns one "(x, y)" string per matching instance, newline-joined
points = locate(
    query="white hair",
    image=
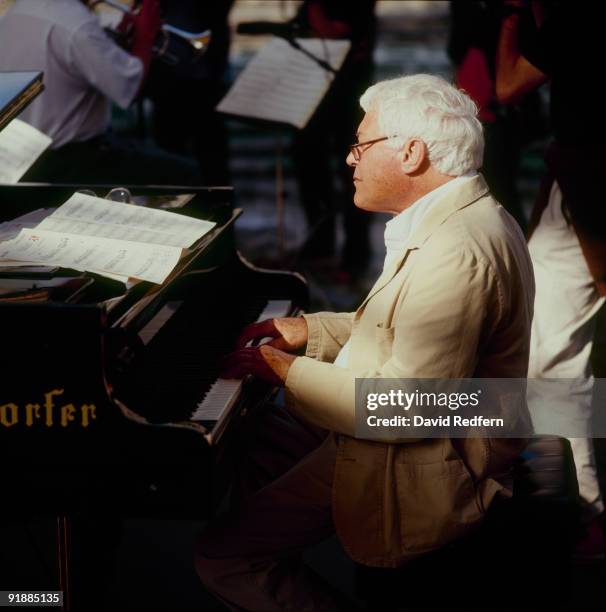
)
(429, 108)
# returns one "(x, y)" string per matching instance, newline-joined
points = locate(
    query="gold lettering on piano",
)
(67, 414)
(4, 410)
(49, 413)
(31, 410)
(49, 405)
(88, 410)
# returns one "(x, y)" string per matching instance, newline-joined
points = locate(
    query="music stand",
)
(282, 86)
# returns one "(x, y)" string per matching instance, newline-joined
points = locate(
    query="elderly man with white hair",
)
(454, 300)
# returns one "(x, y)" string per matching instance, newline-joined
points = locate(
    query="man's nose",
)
(350, 160)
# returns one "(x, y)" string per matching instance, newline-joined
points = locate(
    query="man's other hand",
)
(287, 334)
(263, 362)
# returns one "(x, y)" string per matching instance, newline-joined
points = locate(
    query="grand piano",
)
(110, 398)
(111, 405)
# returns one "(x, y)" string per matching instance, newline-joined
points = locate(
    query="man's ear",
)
(413, 156)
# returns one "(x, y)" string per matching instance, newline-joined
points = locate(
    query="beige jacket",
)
(456, 304)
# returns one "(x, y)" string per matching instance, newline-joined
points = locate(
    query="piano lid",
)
(17, 90)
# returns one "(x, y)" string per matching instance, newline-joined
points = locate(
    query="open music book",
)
(117, 240)
(282, 84)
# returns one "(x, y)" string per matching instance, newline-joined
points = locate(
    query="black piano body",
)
(97, 396)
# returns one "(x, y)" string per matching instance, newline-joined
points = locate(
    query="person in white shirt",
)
(85, 71)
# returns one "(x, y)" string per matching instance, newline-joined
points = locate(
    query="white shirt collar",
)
(399, 229)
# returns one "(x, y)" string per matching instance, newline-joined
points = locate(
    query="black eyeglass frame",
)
(357, 152)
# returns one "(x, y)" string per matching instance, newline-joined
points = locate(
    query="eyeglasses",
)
(356, 151)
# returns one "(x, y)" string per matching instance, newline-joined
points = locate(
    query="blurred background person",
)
(84, 72)
(185, 94)
(556, 42)
(320, 148)
(472, 46)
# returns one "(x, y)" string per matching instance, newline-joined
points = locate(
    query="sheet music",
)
(87, 215)
(20, 146)
(11, 263)
(282, 84)
(10, 229)
(95, 254)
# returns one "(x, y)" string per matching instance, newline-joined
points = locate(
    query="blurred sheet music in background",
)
(20, 146)
(283, 85)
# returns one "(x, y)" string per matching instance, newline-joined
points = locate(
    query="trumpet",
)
(196, 42)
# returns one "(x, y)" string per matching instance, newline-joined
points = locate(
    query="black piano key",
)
(175, 371)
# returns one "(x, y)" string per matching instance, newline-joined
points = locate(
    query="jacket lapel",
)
(452, 201)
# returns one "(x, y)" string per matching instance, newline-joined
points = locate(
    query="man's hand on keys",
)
(262, 350)
(287, 334)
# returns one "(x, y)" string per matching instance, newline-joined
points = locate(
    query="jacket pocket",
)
(437, 504)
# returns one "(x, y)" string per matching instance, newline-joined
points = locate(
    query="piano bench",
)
(522, 554)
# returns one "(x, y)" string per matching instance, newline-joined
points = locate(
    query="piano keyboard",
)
(223, 393)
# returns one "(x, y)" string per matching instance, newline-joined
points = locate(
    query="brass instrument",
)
(169, 47)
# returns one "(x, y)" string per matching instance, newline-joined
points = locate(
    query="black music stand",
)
(289, 81)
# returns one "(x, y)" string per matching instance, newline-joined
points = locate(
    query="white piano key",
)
(158, 321)
(220, 397)
(275, 309)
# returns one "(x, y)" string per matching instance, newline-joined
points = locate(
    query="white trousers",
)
(566, 305)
